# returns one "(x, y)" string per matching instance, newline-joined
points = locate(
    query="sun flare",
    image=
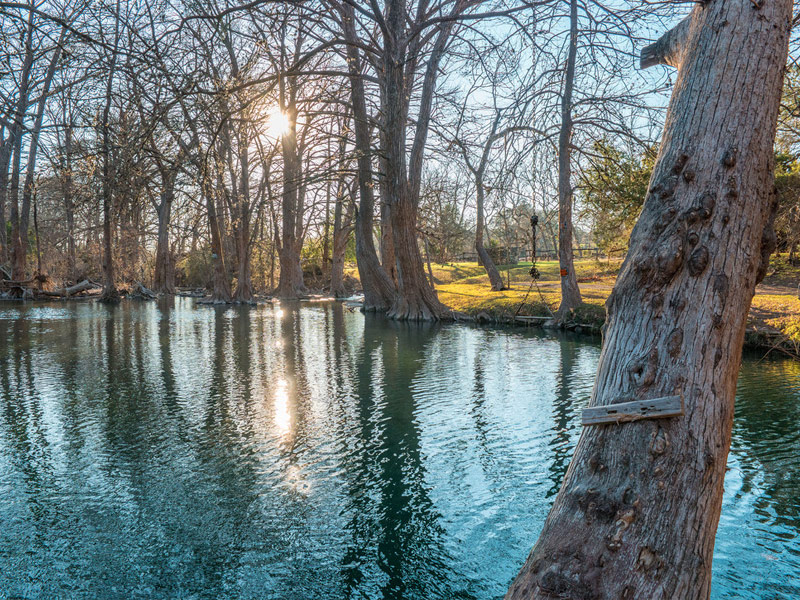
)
(277, 123)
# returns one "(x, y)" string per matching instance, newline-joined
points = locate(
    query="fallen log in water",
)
(66, 292)
(140, 291)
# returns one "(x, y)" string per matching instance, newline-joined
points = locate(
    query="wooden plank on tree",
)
(655, 408)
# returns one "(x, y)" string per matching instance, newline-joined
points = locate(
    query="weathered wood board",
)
(655, 408)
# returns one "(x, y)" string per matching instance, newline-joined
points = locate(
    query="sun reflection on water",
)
(283, 418)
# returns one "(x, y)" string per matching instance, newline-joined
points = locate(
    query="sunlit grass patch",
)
(464, 287)
(781, 312)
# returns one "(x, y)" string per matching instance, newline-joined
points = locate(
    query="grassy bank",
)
(774, 318)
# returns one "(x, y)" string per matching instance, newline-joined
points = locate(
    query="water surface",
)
(173, 451)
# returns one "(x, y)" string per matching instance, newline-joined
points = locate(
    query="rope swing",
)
(534, 273)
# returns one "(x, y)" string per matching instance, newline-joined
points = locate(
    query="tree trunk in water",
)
(290, 282)
(326, 233)
(15, 243)
(388, 259)
(637, 513)
(376, 284)
(164, 273)
(570, 294)
(415, 299)
(483, 256)
(342, 226)
(341, 232)
(5, 159)
(244, 287)
(221, 292)
(110, 293)
(69, 205)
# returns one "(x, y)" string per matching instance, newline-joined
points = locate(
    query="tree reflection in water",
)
(162, 450)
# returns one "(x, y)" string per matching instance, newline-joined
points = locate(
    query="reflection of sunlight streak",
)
(279, 313)
(283, 420)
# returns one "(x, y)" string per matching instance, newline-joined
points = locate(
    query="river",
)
(168, 450)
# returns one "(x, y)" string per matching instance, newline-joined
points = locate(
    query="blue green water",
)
(157, 451)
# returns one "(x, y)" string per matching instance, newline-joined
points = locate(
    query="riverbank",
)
(774, 320)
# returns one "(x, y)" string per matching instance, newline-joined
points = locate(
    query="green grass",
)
(471, 293)
(464, 287)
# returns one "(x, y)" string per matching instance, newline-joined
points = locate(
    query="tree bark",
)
(637, 513)
(5, 159)
(388, 259)
(221, 286)
(415, 298)
(290, 282)
(68, 291)
(16, 243)
(326, 227)
(376, 284)
(110, 293)
(244, 288)
(164, 276)
(20, 234)
(69, 205)
(483, 256)
(341, 232)
(570, 294)
(6, 145)
(342, 227)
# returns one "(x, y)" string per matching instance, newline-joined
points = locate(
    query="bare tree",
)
(570, 293)
(110, 293)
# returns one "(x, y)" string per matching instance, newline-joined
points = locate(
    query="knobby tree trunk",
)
(637, 513)
(387, 255)
(431, 278)
(570, 294)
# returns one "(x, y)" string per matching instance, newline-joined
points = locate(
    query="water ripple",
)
(157, 451)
